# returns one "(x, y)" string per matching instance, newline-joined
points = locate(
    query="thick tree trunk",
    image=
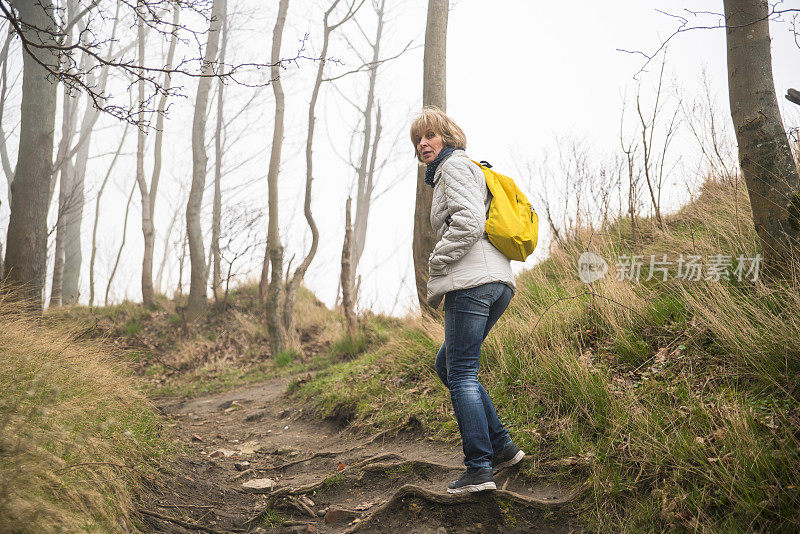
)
(433, 94)
(764, 153)
(26, 242)
(199, 271)
(216, 217)
(274, 248)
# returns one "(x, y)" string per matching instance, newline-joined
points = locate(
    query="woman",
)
(477, 283)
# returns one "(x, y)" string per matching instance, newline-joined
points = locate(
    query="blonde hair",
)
(434, 119)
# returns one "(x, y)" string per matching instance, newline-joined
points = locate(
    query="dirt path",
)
(325, 479)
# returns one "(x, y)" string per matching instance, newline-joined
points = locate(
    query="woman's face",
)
(429, 146)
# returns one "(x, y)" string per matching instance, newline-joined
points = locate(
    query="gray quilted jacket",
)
(463, 256)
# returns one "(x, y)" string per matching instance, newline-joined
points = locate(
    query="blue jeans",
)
(469, 314)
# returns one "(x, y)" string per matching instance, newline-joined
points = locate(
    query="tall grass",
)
(75, 434)
(679, 399)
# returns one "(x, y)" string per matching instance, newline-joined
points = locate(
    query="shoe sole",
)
(474, 488)
(513, 461)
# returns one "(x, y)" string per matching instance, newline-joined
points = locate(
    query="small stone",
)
(241, 466)
(259, 485)
(219, 453)
(286, 427)
(441, 530)
(336, 515)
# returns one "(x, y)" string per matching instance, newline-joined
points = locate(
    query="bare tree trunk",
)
(121, 245)
(647, 145)
(65, 201)
(294, 283)
(148, 193)
(764, 153)
(274, 255)
(216, 218)
(346, 279)
(148, 231)
(73, 255)
(366, 164)
(433, 94)
(97, 215)
(165, 255)
(181, 263)
(4, 159)
(26, 243)
(199, 272)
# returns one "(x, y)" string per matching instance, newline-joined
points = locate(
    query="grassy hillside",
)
(76, 435)
(227, 347)
(677, 399)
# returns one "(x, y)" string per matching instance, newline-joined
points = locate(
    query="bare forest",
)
(221, 259)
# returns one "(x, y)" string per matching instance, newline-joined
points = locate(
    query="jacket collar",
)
(434, 174)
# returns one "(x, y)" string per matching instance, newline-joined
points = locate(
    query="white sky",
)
(519, 74)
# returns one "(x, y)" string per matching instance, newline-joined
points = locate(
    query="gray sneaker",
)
(510, 455)
(473, 481)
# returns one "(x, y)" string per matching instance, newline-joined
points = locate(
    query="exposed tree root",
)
(410, 490)
(376, 459)
(377, 465)
(329, 454)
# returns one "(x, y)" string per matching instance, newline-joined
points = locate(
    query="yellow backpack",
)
(512, 224)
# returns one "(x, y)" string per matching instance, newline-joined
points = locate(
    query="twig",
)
(184, 506)
(303, 507)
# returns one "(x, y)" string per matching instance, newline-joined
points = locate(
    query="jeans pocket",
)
(484, 292)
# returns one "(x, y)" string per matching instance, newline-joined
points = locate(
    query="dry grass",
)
(75, 434)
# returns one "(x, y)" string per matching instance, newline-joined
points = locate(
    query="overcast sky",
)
(519, 75)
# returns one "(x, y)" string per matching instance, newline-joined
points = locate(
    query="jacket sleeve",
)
(466, 210)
